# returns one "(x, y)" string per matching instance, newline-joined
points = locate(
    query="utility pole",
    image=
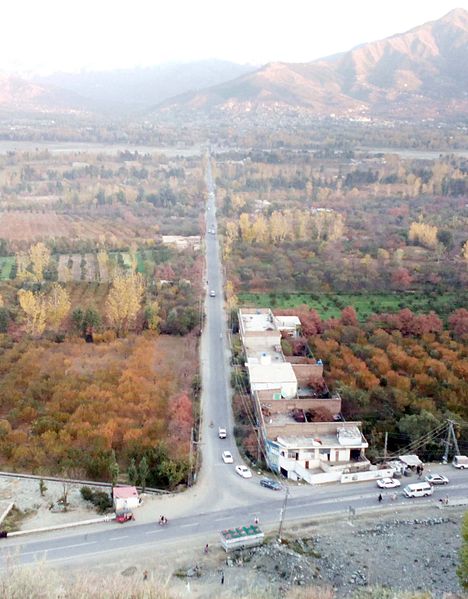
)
(282, 513)
(450, 435)
(385, 446)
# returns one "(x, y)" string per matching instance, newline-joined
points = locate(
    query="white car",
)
(222, 433)
(212, 293)
(243, 471)
(436, 479)
(388, 483)
(227, 457)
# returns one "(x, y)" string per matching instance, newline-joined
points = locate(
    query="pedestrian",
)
(145, 574)
(380, 497)
(256, 521)
(222, 576)
(206, 548)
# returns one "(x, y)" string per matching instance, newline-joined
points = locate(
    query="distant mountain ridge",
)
(423, 70)
(145, 86)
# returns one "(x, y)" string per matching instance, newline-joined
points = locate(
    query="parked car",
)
(436, 479)
(227, 457)
(388, 483)
(271, 484)
(222, 433)
(243, 471)
(212, 293)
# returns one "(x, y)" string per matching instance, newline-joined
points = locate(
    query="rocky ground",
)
(401, 553)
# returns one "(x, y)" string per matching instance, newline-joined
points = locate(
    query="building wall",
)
(282, 406)
(306, 372)
(313, 429)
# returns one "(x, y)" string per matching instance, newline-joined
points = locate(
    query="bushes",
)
(101, 500)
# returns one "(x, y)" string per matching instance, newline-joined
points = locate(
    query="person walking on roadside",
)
(380, 498)
(206, 548)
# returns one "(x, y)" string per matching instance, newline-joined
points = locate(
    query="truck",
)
(242, 537)
(460, 461)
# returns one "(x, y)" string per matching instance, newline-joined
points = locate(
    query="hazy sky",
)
(101, 34)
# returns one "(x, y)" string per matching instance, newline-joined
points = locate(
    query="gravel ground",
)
(415, 551)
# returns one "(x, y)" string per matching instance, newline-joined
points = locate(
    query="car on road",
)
(388, 483)
(222, 433)
(227, 457)
(269, 483)
(243, 471)
(460, 461)
(212, 293)
(436, 479)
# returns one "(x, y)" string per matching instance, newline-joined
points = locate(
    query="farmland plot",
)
(64, 272)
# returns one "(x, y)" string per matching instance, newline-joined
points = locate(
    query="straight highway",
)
(220, 498)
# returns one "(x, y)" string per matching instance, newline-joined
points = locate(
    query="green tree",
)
(132, 472)
(42, 487)
(114, 471)
(417, 425)
(462, 569)
(143, 472)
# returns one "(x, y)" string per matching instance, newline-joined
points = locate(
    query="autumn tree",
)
(152, 315)
(34, 306)
(39, 257)
(57, 305)
(124, 301)
(423, 234)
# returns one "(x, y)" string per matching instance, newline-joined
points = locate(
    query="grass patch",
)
(329, 305)
(6, 264)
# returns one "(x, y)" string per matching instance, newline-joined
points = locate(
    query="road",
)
(220, 499)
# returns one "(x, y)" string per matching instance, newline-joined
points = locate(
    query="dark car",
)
(270, 484)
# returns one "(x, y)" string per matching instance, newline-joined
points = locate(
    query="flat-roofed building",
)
(299, 419)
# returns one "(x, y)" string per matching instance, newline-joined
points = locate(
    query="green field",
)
(6, 264)
(329, 305)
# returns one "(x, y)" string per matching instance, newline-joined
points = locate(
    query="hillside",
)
(422, 70)
(20, 95)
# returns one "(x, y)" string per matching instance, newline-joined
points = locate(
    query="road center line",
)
(118, 538)
(152, 532)
(186, 525)
(47, 549)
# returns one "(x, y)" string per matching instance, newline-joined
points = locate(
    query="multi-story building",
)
(299, 419)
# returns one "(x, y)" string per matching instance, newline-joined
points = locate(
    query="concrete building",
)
(299, 419)
(126, 498)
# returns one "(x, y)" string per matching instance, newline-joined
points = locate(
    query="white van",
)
(460, 461)
(418, 490)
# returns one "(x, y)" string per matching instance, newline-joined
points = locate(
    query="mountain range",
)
(420, 72)
(423, 71)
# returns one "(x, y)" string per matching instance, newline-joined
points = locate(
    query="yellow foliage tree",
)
(465, 251)
(39, 256)
(35, 309)
(22, 263)
(423, 234)
(57, 306)
(124, 300)
(246, 228)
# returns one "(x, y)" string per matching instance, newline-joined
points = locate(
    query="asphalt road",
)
(220, 498)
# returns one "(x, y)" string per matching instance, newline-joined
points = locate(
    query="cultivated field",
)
(27, 226)
(329, 305)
